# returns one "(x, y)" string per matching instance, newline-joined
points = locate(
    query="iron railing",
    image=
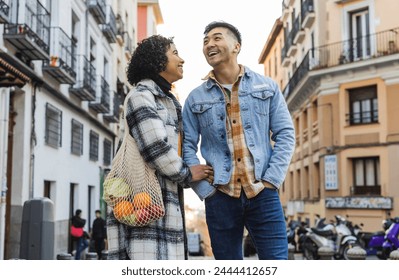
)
(306, 8)
(4, 11)
(349, 51)
(61, 51)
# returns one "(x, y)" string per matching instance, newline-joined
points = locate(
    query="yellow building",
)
(337, 62)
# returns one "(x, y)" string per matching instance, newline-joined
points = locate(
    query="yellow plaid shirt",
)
(243, 177)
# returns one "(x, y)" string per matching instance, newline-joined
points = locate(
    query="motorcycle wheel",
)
(384, 254)
(310, 250)
(346, 248)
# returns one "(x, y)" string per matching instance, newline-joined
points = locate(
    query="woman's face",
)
(174, 68)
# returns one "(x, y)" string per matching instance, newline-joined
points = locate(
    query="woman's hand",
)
(201, 172)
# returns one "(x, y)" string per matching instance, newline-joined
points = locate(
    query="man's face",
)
(220, 46)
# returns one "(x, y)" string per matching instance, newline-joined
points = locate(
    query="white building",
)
(62, 79)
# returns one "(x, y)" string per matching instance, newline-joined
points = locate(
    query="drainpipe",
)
(4, 109)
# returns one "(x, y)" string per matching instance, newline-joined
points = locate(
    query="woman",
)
(81, 241)
(153, 116)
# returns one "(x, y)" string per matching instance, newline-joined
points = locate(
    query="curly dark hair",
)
(148, 59)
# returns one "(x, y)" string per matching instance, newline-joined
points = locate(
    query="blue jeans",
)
(262, 216)
(81, 245)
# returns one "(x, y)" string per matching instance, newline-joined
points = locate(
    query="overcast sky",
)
(185, 20)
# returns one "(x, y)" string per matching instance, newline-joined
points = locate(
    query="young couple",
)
(237, 113)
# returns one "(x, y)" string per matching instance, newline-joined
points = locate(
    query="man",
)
(99, 234)
(237, 113)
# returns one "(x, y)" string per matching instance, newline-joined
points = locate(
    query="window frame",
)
(94, 145)
(367, 189)
(54, 114)
(79, 142)
(107, 150)
(360, 95)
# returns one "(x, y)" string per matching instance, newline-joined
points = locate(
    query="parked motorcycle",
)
(391, 241)
(336, 236)
(371, 242)
(291, 233)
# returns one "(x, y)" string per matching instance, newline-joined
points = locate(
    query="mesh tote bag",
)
(131, 188)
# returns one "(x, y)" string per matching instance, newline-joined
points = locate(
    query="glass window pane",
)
(370, 172)
(366, 108)
(359, 176)
(356, 112)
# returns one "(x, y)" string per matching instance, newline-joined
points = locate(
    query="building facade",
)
(337, 62)
(62, 81)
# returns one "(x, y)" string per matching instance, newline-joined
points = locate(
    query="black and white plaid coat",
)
(154, 120)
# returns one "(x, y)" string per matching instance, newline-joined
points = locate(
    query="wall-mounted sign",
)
(377, 202)
(330, 172)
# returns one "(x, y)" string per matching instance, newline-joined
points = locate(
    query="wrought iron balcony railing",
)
(31, 36)
(363, 48)
(114, 116)
(62, 63)
(307, 13)
(364, 117)
(101, 104)
(97, 9)
(4, 12)
(109, 29)
(85, 86)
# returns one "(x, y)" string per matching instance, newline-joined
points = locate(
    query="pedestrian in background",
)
(247, 136)
(81, 242)
(154, 120)
(99, 234)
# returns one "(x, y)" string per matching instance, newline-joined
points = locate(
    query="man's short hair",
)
(229, 26)
(98, 211)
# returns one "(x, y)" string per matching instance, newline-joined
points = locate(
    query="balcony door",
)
(360, 35)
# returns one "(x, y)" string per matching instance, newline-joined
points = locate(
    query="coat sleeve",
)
(149, 131)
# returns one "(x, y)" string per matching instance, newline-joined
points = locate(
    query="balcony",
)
(128, 45)
(62, 63)
(31, 37)
(285, 60)
(114, 116)
(97, 9)
(285, 12)
(120, 27)
(307, 13)
(341, 53)
(298, 32)
(85, 86)
(101, 103)
(4, 12)
(109, 29)
(289, 43)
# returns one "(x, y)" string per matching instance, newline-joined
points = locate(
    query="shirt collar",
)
(211, 74)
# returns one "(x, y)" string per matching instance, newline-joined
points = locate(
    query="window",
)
(360, 35)
(77, 138)
(107, 152)
(53, 126)
(94, 138)
(47, 189)
(366, 176)
(363, 105)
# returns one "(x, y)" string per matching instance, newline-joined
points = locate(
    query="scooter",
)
(372, 242)
(291, 233)
(338, 237)
(391, 242)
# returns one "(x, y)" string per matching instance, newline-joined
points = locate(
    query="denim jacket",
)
(264, 113)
